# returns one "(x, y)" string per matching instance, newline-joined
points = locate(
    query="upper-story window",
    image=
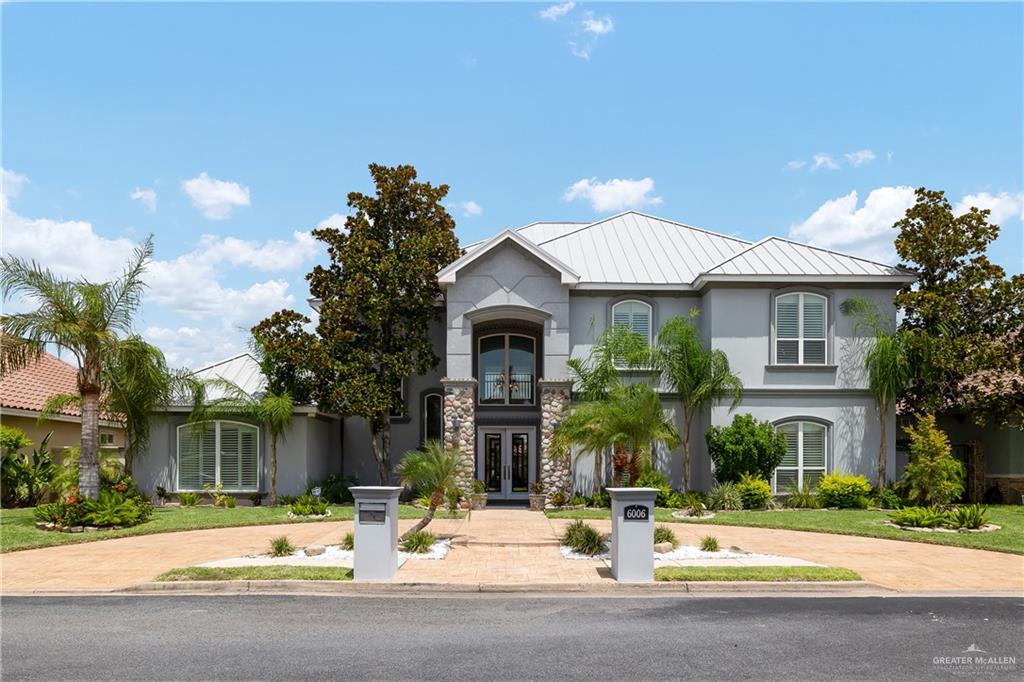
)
(507, 365)
(634, 315)
(801, 329)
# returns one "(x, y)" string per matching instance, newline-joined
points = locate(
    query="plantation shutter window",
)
(801, 329)
(224, 452)
(633, 315)
(803, 465)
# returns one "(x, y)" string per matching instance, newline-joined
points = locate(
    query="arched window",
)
(433, 417)
(634, 315)
(801, 329)
(223, 452)
(507, 368)
(806, 456)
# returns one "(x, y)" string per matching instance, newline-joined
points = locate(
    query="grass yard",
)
(257, 573)
(774, 574)
(868, 523)
(18, 526)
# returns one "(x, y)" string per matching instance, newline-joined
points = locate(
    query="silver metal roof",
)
(242, 370)
(777, 256)
(537, 232)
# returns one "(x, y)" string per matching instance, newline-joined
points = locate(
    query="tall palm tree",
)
(79, 316)
(435, 469)
(888, 363)
(701, 376)
(630, 420)
(269, 410)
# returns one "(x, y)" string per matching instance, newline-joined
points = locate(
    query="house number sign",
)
(636, 512)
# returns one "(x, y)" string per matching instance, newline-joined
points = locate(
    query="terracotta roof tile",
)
(28, 388)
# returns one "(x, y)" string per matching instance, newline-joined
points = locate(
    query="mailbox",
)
(633, 534)
(376, 532)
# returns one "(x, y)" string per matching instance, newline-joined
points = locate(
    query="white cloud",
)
(555, 12)
(147, 197)
(581, 50)
(1003, 206)
(796, 164)
(215, 198)
(10, 185)
(861, 231)
(615, 194)
(469, 209)
(599, 26)
(860, 157)
(194, 347)
(823, 160)
(274, 255)
(334, 220)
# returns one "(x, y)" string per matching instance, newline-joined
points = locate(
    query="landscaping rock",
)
(314, 550)
(663, 547)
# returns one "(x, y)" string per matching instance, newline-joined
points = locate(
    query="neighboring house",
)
(24, 392)
(519, 305)
(234, 452)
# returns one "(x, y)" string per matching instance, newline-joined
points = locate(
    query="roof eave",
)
(449, 274)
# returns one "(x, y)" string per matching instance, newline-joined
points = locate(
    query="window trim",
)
(650, 315)
(800, 338)
(424, 396)
(799, 468)
(216, 456)
(507, 336)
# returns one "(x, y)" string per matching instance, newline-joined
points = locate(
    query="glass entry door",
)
(506, 461)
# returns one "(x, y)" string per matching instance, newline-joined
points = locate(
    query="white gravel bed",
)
(333, 555)
(681, 553)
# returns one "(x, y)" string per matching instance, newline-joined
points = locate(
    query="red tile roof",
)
(28, 388)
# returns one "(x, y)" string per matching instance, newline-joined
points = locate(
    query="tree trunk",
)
(273, 468)
(620, 464)
(686, 448)
(882, 449)
(89, 462)
(128, 459)
(598, 471)
(422, 523)
(382, 453)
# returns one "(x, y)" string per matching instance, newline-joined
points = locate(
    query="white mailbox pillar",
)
(376, 534)
(633, 534)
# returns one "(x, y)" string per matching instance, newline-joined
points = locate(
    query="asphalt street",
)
(263, 637)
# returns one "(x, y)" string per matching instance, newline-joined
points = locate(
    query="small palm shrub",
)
(918, 517)
(709, 543)
(307, 505)
(189, 499)
(111, 509)
(801, 499)
(281, 546)
(418, 542)
(755, 492)
(583, 538)
(664, 534)
(725, 497)
(846, 491)
(933, 476)
(348, 542)
(968, 516)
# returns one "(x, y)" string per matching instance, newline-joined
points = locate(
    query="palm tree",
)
(701, 376)
(136, 383)
(888, 364)
(435, 469)
(80, 316)
(271, 411)
(630, 420)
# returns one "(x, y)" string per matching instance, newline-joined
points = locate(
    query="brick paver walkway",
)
(502, 546)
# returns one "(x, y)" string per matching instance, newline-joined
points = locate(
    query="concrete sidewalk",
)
(511, 547)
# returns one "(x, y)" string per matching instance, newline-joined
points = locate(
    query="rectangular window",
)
(803, 465)
(223, 452)
(801, 329)
(106, 439)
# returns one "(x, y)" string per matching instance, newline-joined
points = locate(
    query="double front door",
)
(506, 461)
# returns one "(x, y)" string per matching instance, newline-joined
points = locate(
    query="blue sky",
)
(240, 127)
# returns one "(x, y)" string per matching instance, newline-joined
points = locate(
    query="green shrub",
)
(334, 489)
(453, 497)
(281, 546)
(536, 488)
(307, 505)
(801, 499)
(47, 513)
(888, 498)
(423, 501)
(601, 498)
(664, 534)
(918, 517)
(755, 492)
(846, 491)
(725, 497)
(162, 494)
(349, 541)
(709, 543)
(230, 502)
(746, 446)
(578, 500)
(479, 487)
(419, 542)
(256, 499)
(693, 502)
(559, 498)
(111, 508)
(189, 499)
(652, 478)
(286, 500)
(583, 538)
(967, 516)
(24, 478)
(933, 476)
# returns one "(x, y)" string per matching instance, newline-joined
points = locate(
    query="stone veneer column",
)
(460, 423)
(555, 474)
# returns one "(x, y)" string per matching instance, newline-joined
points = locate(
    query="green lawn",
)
(775, 574)
(257, 573)
(18, 529)
(868, 523)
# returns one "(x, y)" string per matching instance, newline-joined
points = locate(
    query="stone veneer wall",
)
(460, 423)
(555, 474)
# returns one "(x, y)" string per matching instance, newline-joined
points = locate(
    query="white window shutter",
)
(250, 458)
(209, 456)
(230, 476)
(189, 459)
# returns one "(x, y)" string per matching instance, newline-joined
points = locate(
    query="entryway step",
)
(472, 542)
